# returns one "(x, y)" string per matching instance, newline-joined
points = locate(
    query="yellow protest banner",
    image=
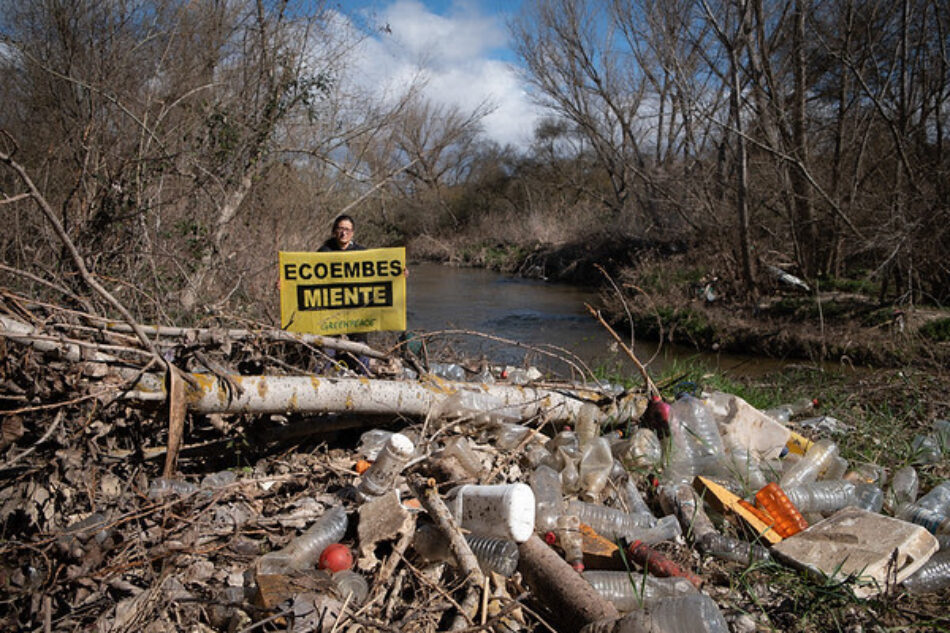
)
(343, 292)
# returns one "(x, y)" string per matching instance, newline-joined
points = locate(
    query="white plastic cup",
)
(501, 511)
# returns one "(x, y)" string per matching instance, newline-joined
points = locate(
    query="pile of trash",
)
(568, 507)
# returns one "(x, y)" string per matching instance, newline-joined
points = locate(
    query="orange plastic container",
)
(788, 520)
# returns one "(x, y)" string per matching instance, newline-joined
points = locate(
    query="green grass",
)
(937, 330)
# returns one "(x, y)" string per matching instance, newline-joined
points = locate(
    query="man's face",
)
(343, 232)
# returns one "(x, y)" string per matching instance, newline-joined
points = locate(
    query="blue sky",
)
(463, 48)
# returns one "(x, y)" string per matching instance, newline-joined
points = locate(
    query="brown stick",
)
(564, 591)
(428, 495)
(651, 387)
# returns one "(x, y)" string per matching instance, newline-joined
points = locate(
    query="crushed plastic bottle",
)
(595, 466)
(460, 448)
(587, 424)
(635, 504)
(869, 497)
(216, 480)
(569, 537)
(545, 482)
(641, 450)
(449, 371)
(381, 476)
(372, 442)
(785, 412)
(902, 490)
(631, 591)
(161, 487)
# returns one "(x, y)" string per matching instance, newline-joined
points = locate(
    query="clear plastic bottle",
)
(635, 503)
(869, 497)
(508, 435)
(587, 424)
(925, 449)
(788, 520)
(730, 548)
(836, 469)
(449, 371)
(818, 457)
(704, 430)
(785, 412)
(937, 498)
(679, 455)
(610, 523)
(161, 487)
(381, 476)
(744, 465)
(495, 554)
(372, 442)
(934, 576)
(351, 584)
(218, 479)
(548, 497)
(689, 613)
(595, 465)
(935, 522)
(902, 490)
(569, 537)
(304, 551)
(570, 475)
(640, 450)
(460, 448)
(631, 591)
(822, 496)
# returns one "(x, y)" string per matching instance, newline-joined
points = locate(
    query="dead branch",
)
(648, 382)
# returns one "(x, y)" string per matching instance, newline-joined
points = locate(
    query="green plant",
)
(936, 330)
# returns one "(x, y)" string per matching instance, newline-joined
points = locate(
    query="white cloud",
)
(459, 54)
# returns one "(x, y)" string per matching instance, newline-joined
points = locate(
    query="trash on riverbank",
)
(95, 537)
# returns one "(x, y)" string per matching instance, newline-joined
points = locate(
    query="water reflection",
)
(538, 314)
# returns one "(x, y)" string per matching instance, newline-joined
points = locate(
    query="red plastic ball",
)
(336, 557)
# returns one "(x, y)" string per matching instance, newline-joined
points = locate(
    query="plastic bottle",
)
(869, 497)
(788, 520)
(508, 435)
(730, 548)
(449, 371)
(931, 511)
(925, 449)
(785, 412)
(933, 576)
(568, 534)
(658, 564)
(635, 503)
(498, 555)
(640, 450)
(866, 473)
(704, 430)
(503, 511)
(381, 476)
(304, 551)
(494, 554)
(744, 465)
(902, 490)
(836, 469)
(570, 475)
(689, 613)
(595, 465)
(460, 448)
(610, 523)
(545, 482)
(372, 442)
(822, 496)
(218, 479)
(679, 459)
(630, 591)
(816, 459)
(587, 424)
(351, 584)
(161, 487)
(937, 498)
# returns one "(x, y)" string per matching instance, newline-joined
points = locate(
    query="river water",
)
(537, 314)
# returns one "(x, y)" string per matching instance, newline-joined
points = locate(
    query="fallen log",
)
(206, 393)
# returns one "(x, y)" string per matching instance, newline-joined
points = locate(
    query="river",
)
(537, 314)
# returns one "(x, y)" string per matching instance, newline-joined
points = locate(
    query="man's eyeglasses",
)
(344, 229)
